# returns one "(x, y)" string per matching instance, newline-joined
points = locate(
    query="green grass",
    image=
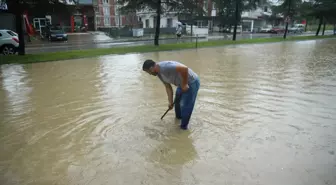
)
(55, 56)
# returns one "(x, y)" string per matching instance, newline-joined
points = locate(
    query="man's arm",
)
(183, 70)
(169, 91)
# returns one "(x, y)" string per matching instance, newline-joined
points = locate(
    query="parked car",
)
(297, 28)
(9, 42)
(265, 30)
(53, 33)
(277, 30)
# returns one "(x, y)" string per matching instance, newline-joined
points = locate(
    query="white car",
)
(9, 42)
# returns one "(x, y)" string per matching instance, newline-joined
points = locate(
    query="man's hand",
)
(170, 106)
(185, 88)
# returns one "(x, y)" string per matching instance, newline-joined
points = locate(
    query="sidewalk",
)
(78, 39)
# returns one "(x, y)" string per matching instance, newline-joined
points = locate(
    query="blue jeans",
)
(184, 102)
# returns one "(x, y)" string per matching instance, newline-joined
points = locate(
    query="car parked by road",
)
(9, 42)
(277, 30)
(55, 33)
(297, 28)
(265, 29)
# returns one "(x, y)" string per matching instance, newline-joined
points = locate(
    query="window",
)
(106, 11)
(265, 9)
(107, 21)
(0, 34)
(105, 1)
(169, 22)
(12, 33)
(147, 23)
(154, 22)
(98, 20)
(116, 10)
(117, 20)
(205, 5)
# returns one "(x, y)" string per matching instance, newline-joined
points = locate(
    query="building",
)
(254, 20)
(86, 15)
(7, 19)
(251, 20)
(108, 16)
(169, 19)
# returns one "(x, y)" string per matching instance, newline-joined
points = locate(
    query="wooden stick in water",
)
(168, 109)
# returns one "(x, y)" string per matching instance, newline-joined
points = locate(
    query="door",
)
(90, 23)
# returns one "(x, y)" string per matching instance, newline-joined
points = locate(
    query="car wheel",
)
(8, 50)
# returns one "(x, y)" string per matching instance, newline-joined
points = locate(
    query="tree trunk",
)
(19, 31)
(319, 26)
(191, 30)
(288, 13)
(158, 23)
(192, 21)
(324, 25)
(305, 29)
(236, 20)
(286, 30)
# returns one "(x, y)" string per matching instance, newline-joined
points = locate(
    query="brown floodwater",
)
(265, 114)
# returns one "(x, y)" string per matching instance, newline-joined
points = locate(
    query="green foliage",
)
(190, 8)
(308, 9)
(227, 10)
(325, 9)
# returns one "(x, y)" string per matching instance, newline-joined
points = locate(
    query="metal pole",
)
(196, 40)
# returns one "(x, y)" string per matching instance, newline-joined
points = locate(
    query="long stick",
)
(168, 109)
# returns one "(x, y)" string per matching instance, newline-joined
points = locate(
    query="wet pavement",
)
(265, 114)
(100, 40)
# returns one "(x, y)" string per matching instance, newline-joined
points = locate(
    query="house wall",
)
(111, 18)
(149, 18)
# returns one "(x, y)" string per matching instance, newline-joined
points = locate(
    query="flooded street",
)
(265, 114)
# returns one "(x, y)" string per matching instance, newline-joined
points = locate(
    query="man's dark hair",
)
(148, 64)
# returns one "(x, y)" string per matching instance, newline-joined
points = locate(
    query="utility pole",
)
(287, 18)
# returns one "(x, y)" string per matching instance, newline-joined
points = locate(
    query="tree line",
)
(228, 11)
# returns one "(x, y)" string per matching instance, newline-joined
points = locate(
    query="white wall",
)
(163, 23)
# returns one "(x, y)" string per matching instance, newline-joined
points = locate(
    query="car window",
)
(0, 34)
(11, 33)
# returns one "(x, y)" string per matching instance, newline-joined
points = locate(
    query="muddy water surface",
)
(265, 114)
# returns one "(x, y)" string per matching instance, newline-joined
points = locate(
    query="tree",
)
(37, 7)
(190, 9)
(240, 6)
(323, 10)
(290, 9)
(226, 12)
(159, 6)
